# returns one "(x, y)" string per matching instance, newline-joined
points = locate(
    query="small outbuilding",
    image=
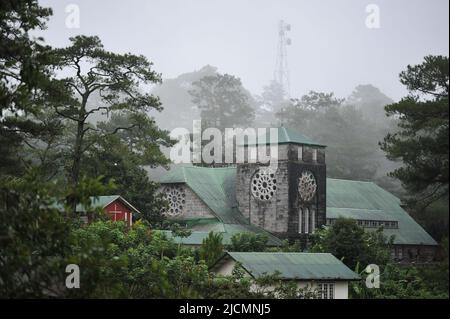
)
(117, 208)
(320, 271)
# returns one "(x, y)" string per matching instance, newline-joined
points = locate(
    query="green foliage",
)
(405, 282)
(212, 248)
(118, 262)
(434, 218)
(357, 249)
(179, 111)
(223, 102)
(248, 242)
(33, 242)
(120, 158)
(24, 75)
(350, 243)
(371, 102)
(117, 79)
(327, 120)
(422, 139)
(268, 286)
(228, 287)
(272, 286)
(187, 277)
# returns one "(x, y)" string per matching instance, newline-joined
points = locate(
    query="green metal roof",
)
(227, 231)
(308, 266)
(346, 198)
(96, 202)
(361, 200)
(100, 202)
(285, 136)
(205, 224)
(214, 186)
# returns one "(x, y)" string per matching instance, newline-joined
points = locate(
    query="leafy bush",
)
(350, 243)
(248, 242)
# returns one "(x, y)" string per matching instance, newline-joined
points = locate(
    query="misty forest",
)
(81, 121)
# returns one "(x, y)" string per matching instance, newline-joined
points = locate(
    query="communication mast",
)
(281, 73)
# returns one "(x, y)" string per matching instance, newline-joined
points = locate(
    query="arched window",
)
(313, 220)
(307, 221)
(300, 221)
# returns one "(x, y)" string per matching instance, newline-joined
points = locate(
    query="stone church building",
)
(288, 201)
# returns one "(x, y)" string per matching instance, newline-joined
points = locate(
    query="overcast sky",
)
(332, 49)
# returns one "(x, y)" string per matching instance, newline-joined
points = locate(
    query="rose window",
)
(176, 199)
(264, 184)
(307, 186)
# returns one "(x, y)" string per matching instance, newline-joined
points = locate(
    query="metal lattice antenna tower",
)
(281, 73)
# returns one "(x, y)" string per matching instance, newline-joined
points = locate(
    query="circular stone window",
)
(264, 184)
(307, 186)
(176, 197)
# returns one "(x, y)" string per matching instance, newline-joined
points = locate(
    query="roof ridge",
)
(378, 210)
(352, 180)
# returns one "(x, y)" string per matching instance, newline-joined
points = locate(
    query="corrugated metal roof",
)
(227, 231)
(96, 202)
(285, 136)
(101, 202)
(353, 199)
(309, 266)
(214, 186)
(358, 199)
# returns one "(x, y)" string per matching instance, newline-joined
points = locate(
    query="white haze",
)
(332, 49)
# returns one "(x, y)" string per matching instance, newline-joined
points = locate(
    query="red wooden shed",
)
(115, 206)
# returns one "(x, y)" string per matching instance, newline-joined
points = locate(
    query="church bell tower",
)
(287, 199)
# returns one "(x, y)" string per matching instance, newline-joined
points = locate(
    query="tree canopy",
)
(222, 101)
(422, 141)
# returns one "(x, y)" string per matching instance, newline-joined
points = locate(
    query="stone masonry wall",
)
(194, 207)
(271, 215)
(280, 214)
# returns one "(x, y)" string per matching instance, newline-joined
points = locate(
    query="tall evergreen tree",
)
(89, 69)
(24, 75)
(223, 102)
(421, 142)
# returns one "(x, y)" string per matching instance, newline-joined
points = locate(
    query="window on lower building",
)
(326, 290)
(399, 253)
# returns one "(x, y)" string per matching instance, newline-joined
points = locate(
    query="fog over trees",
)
(333, 121)
(84, 119)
